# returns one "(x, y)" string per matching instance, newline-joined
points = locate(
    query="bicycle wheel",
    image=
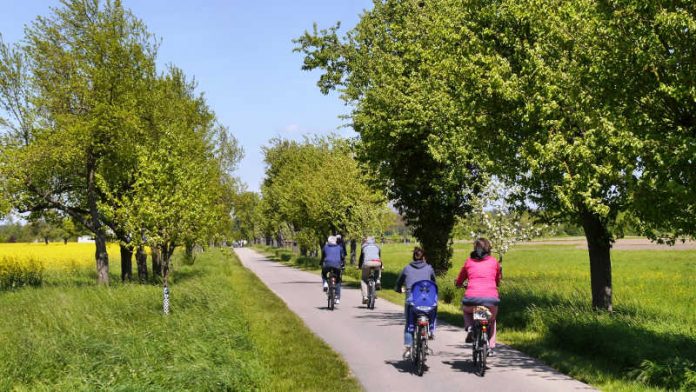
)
(423, 352)
(419, 355)
(371, 294)
(484, 355)
(332, 294)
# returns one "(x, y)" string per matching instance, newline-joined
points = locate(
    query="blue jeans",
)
(410, 325)
(337, 272)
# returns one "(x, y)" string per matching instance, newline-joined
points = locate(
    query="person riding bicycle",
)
(370, 258)
(332, 257)
(416, 271)
(483, 272)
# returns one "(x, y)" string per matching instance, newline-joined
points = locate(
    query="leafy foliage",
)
(315, 188)
(94, 133)
(587, 106)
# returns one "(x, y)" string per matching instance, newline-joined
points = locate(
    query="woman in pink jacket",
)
(483, 273)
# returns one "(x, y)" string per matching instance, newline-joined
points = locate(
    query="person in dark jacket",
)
(332, 257)
(416, 271)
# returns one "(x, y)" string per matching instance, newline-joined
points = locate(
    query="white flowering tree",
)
(495, 217)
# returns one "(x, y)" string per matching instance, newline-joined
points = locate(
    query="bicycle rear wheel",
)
(419, 354)
(371, 295)
(332, 294)
(482, 353)
(423, 354)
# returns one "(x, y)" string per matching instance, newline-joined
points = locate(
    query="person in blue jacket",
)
(416, 271)
(332, 256)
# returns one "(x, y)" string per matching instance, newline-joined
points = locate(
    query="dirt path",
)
(371, 341)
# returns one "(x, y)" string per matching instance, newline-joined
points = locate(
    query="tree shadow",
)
(402, 365)
(384, 318)
(579, 337)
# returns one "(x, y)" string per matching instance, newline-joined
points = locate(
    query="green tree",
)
(183, 175)
(393, 74)
(587, 106)
(315, 188)
(245, 216)
(74, 95)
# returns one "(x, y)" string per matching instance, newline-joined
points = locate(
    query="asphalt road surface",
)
(371, 341)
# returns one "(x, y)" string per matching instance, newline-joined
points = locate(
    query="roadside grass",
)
(227, 331)
(647, 343)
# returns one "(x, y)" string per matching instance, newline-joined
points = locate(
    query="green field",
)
(649, 342)
(227, 331)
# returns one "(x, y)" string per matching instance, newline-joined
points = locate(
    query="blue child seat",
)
(424, 295)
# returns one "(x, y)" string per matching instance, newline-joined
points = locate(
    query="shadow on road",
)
(402, 365)
(383, 317)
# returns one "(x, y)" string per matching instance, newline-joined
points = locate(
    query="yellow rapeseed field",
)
(55, 256)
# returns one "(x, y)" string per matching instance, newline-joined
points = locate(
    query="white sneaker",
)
(338, 301)
(407, 352)
(326, 286)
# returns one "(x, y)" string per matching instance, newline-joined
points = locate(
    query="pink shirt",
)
(484, 276)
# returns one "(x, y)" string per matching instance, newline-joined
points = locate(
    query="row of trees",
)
(94, 132)
(315, 188)
(587, 107)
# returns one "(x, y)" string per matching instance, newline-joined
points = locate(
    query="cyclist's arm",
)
(499, 275)
(461, 277)
(400, 282)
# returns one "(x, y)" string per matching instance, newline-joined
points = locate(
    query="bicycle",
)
(372, 288)
(331, 292)
(423, 304)
(482, 316)
(419, 347)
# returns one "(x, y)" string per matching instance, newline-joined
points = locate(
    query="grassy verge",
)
(227, 331)
(648, 343)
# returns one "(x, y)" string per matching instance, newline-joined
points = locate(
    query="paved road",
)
(371, 341)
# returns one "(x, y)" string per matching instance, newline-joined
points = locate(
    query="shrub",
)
(285, 256)
(676, 374)
(447, 292)
(15, 274)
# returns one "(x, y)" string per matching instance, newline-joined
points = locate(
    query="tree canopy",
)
(315, 188)
(587, 106)
(94, 132)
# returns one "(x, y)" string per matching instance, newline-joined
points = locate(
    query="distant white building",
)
(85, 239)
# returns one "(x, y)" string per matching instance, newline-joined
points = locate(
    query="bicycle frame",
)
(419, 347)
(331, 279)
(482, 316)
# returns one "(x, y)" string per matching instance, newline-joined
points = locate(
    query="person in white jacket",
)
(370, 258)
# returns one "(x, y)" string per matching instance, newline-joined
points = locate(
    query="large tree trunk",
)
(599, 244)
(126, 263)
(102, 257)
(166, 255)
(156, 261)
(141, 261)
(353, 247)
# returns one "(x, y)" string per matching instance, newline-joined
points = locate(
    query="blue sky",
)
(240, 53)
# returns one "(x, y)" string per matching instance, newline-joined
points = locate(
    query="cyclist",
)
(416, 271)
(332, 257)
(484, 273)
(370, 258)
